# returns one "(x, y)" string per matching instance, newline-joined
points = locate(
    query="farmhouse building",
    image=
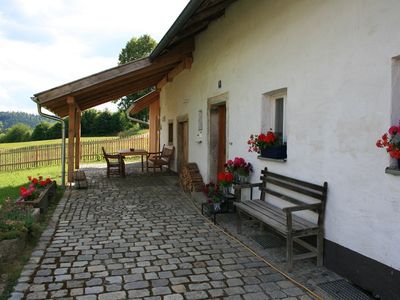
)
(326, 74)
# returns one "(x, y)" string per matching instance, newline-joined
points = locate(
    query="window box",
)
(275, 152)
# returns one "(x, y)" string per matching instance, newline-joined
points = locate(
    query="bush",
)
(41, 131)
(15, 221)
(18, 133)
(131, 131)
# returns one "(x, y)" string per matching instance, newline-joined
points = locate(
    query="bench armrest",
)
(291, 209)
(115, 156)
(153, 153)
(246, 185)
(238, 189)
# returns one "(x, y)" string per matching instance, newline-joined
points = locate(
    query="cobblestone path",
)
(140, 238)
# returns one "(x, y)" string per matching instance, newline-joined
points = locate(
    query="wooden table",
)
(135, 152)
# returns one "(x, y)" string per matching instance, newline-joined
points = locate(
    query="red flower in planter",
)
(262, 141)
(42, 183)
(391, 142)
(35, 181)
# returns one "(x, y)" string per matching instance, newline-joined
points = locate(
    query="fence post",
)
(36, 156)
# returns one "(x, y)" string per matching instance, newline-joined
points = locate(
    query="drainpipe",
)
(136, 120)
(62, 121)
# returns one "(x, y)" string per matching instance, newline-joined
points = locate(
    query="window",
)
(170, 133)
(274, 113)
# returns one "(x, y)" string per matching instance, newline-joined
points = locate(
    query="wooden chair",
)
(115, 164)
(160, 159)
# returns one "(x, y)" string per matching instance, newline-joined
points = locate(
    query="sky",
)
(46, 43)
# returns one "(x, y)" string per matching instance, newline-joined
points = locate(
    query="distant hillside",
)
(11, 118)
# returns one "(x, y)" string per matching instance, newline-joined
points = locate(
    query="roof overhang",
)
(116, 82)
(171, 56)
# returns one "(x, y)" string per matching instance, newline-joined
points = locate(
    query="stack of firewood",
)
(191, 179)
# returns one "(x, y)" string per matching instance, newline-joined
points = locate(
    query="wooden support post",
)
(77, 137)
(71, 136)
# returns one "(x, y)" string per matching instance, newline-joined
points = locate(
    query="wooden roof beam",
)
(137, 67)
(143, 102)
(186, 63)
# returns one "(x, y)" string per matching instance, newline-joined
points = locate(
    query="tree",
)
(135, 49)
(102, 124)
(17, 133)
(1, 127)
(41, 131)
(88, 122)
(54, 131)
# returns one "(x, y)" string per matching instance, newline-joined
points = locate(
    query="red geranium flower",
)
(261, 141)
(391, 142)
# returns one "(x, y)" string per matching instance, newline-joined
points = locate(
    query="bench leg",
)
(289, 253)
(320, 249)
(238, 221)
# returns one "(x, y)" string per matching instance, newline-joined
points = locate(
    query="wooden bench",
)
(295, 196)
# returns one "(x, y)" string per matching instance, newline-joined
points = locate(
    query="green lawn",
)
(50, 142)
(11, 181)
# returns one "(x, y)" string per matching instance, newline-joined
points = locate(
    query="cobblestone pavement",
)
(140, 238)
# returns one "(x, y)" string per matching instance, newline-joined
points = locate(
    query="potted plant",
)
(239, 168)
(225, 180)
(268, 145)
(211, 190)
(16, 224)
(391, 142)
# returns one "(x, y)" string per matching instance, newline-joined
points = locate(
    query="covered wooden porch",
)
(172, 55)
(69, 100)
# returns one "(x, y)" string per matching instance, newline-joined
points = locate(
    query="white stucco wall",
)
(334, 58)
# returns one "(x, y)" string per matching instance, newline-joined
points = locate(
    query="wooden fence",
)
(47, 155)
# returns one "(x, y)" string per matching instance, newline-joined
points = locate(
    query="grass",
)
(51, 142)
(11, 181)
(58, 141)
(13, 268)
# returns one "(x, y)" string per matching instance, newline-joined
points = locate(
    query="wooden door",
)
(183, 144)
(221, 137)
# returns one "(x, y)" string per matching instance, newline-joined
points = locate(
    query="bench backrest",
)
(288, 188)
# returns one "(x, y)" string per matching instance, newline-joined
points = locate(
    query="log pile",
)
(80, 180)
(191, 180)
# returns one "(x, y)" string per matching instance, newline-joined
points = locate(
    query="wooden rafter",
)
(186, 63)
(144, 102)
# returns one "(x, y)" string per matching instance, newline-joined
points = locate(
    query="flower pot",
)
(243, 178)
(275, 152)
(46, 196)
(226, 190)
(217, 207)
